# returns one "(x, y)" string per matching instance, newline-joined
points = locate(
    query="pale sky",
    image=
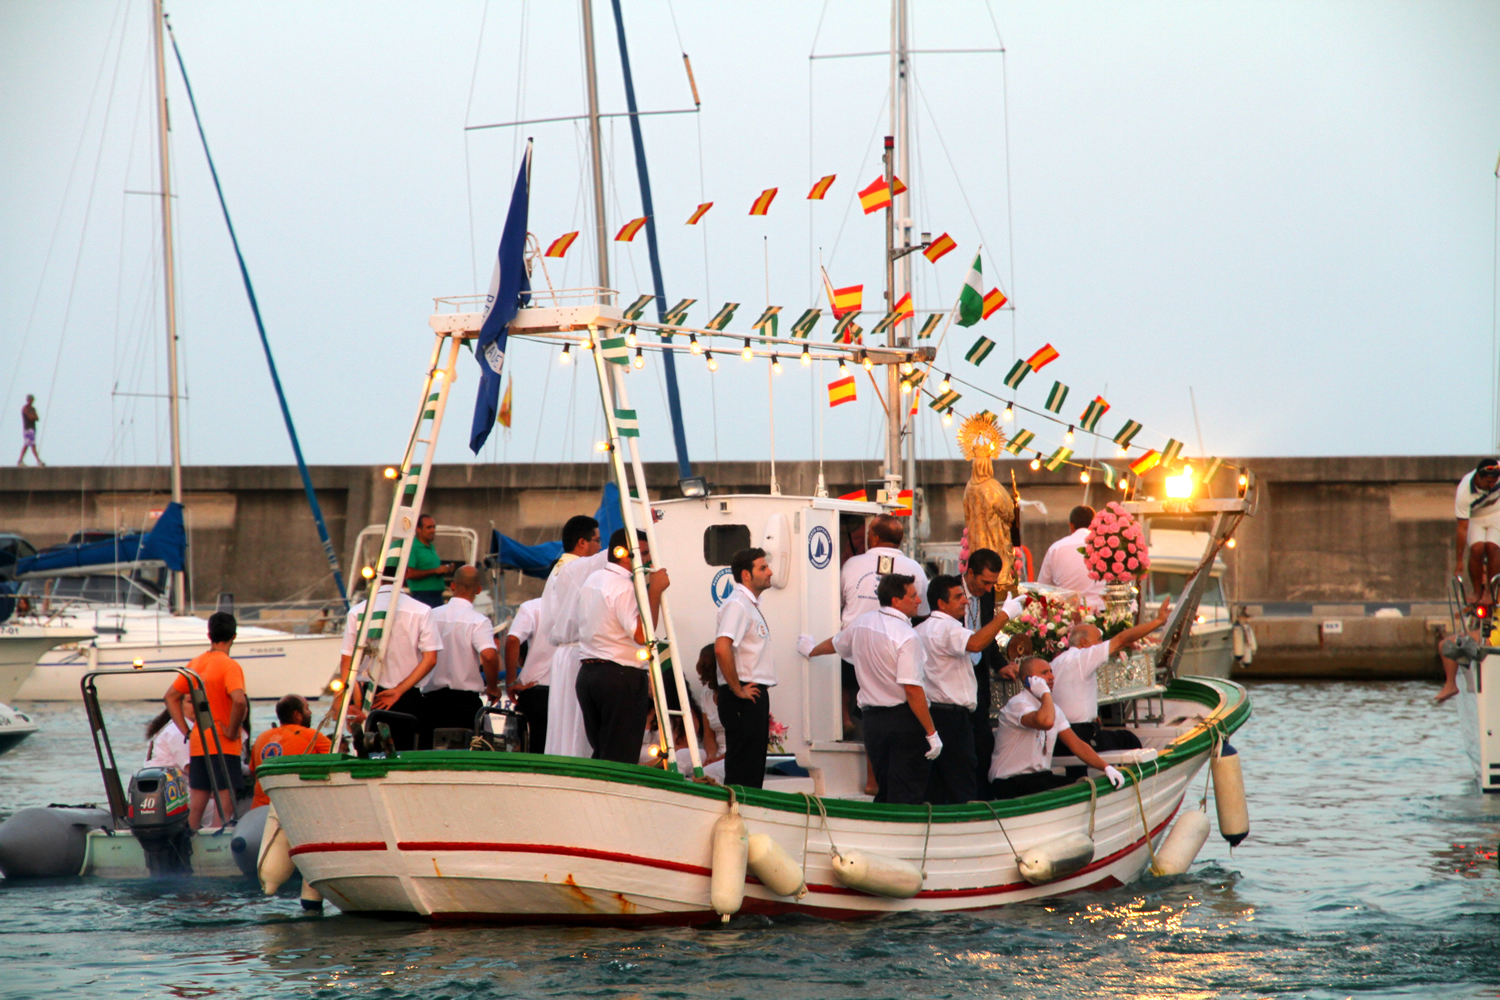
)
(1289, 207)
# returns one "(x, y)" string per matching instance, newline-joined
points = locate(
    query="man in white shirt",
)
(467, 663)
(613, 687)
(1477, 507)
(1063, 565)
(409, 655)
(559, 623)
(747, 671)
(900, 739)
(528, 671)
(951, 686)
(1030, 728)
(1077, 672)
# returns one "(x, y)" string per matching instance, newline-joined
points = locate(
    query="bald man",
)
(467, 664)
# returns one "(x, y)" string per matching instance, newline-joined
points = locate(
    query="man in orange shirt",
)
(291, 737)
(224, 683)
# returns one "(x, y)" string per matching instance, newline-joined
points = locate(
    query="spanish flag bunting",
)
(1091, 414)
(1127, 433)
(1057, 458)
(903, 504)
(560, 245)
(843, 301)
(1042, 358)
(896, 186)
(859, 495)
(699, 213)
(763, 202)
(1145, 463)
(821, 188)
(637, 309)
(805, 323)
(627, 232)
(993, 299)
(723, 316)
(1017, 374)
(875, 197)
(916, 400)
(846, 331)
(981, 350)
(1056, 397)
(1171, 450)
(1018, 444)
(929, 325)
(841, 391)
(939, 247)
(902, 311)
(945, 401)
(504, 417)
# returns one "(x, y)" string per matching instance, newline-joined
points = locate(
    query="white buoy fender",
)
(274, 865)
(775, 867)
(1229, 795)
(877, 874)
(731, 853)
(1056, 858)
(1182, 845)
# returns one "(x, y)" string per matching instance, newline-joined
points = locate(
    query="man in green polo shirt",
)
(424, 570)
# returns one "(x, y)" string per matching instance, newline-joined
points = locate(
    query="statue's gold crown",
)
(978, 437)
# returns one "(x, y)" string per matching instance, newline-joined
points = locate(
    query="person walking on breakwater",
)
(293, 736)
(410, 655)
(614, 682)
(224, 684)
(747, 671)
(1478, 510)
(424, 570)
(29, 418)
(1077, 672)
(565, 731)
(951, 686)
(900, 739)
(468, 662)
(1063, 565)
(528, 670)
(1030, 727)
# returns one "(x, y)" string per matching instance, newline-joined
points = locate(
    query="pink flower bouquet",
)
(1115, 551)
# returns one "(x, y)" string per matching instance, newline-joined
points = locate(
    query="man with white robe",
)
(559, 622)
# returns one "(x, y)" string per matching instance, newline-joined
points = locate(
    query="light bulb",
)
(947, 417)
(438, 374)
(588, 343)
(1068, 437)
(906, 367)
(713, 365)
(1010, 414)
(747, 354)
(1083, 476)
(390, 472)
(946, 384)
(1230, 543)
(601, 446)
(336, 685)
(630, 337)
(640, 359)
(693, 344)
(1121, 452)
(905, 387)
(1036, 463)
(567, 354)
(843, 367)
(864, 359)
(775, 364)
(806, 356)
(368, 572)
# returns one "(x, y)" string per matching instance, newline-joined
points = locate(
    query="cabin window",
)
(722, 541)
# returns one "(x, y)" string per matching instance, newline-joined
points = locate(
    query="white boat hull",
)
(1208, 651)
(21, 645)
(1479, 717)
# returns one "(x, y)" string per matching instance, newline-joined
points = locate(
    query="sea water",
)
(1370, 871)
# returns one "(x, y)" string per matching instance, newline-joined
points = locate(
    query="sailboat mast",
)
(901, 111)
(596, 154)
(163, 124)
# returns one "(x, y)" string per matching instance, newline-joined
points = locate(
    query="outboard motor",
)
(503, 729)
(159, 820)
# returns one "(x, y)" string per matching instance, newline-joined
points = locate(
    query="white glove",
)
(935, 742)
(1014, 607)
(1115, 777)
(805, 645)
(1037, 687)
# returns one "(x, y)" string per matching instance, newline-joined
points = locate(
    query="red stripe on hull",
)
(351, 845)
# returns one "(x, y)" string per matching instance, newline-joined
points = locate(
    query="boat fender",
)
(50, 842)
(1056, 858)
(877, 874)
(246, 843)
(1244, 643)
(312, 899)
(731, 854)
(775, 867)
(274, 863)
(1229, 795)
(1182, 845)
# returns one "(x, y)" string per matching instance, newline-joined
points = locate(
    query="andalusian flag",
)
(1044, 357)
(1145, 463)
(841, 391)
(1017, 374)
(1018, 444)
(993, 300)
(902, 311)
(981, 350)
(560, 245)
(1127, 433)
(1057, 458)
(504, 417)
(1056, 396)
(723, 316)
(846, 331)
(1214, 465)
(767, 322)
(637, 309)
(613, 349)
(930, 325)
(763, 202)
(939, 247)
(971, 298)
(945, 401)
(805, 323)
(1172, 449)
(699, 213)
(677, 313)
(627, 232)
(626, 423)
(916, 378)
(1111, 474)
(821, 188)
(1090, 419)
(876, 196)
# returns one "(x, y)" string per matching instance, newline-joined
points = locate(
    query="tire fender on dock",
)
(775, 867)
(1182, 845)
(731, 851)
(877, 874)
(1056, 858)
(1229, 795)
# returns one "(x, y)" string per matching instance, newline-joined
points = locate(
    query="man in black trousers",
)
(747, 671)
(979, 577)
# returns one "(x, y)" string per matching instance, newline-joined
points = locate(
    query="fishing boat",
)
(1471, 644)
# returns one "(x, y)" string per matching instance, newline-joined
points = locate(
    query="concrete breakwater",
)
(1348, 531)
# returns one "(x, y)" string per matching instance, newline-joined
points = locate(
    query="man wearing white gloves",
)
(1077, 672)
(952, 686)
(900, 739)
(1030, 727)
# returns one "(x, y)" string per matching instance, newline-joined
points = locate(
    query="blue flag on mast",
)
(510, 288)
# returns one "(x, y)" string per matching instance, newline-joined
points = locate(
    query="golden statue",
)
(989, 510)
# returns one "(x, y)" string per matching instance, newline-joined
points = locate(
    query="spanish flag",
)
(763, 202)
(1043, 357)
(504, 418)
(939, 246)
(699, 213)
(627, 232)
(841, 391)
(993, 300)
(875, 197)
(560, 246)
(843, 301)
(821, 188)
(903, 308)
(1145, 463)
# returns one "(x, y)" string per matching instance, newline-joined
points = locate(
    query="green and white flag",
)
(767, 322)
(1018, 444)
(1171, 450)
(916, 378)
(1057, 458)
(1091, 414)
(1127, 433)
(930, 325)
(846, 331)
(971, 298)
(636, 309)
(626, 423)
(981, 350)
(677, 313)
(1017, 374)
(1214, 465)
(805, 323)
(1056, 397)
(614, 349)
(1110, 473)
(945, 401)
(723, 316)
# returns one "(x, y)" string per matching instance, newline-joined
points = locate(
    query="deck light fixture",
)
(1036, 463)
(747, 354)
(843, 367)
(713, 365)
(693, 487)
(864, 359)
(1010, 412)
(775, 363)
(390, 472)
(567, 355)
(946, 383)
(1068, 437)
(693, 344)
(640, 359)
(806, 356)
